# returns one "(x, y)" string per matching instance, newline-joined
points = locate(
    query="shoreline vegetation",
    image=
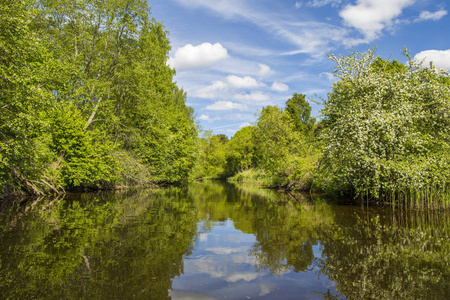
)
(88, 102)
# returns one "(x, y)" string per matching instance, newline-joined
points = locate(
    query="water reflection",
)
(216, 240)
(119, 247)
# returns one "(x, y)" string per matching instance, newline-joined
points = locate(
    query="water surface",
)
(216, 240)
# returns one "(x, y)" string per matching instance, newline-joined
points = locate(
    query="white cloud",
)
(204, 117)
(226, 105)
(243, 82)
(255, 96)
(210, 91)
(232, 82)
(207, 118)
(298, 4)
(227, 250)
(203, 55)
(372, 16)
(265, 70)
(426, 15)
(243, 276)
(279, 87)
(440, 58)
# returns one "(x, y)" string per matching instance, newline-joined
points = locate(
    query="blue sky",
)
(235, 56)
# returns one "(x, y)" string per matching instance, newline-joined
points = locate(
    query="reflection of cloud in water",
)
(208, 265)
(266, 288)
(243, 259)
(228, 250)
(243, 276)
(203, 237)
(187, 295)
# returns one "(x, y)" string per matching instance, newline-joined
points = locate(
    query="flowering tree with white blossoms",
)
(387, 133)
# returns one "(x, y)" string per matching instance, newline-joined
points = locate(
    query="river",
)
(219, 240)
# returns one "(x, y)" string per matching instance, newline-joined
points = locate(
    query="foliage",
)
(387, 129)
(212, 159)
(300, 112)
(80, 82)
(240, 151)
(28, 73)
(83, 161)
(405, 257)
(285, 146)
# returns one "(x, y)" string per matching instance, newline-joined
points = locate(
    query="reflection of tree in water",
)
(404, 257)
(124, 247)
(131, 245)
(285, 230)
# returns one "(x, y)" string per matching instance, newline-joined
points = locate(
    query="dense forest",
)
(88, 101)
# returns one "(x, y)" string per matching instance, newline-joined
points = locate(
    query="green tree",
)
(28, 75)
(212, 158)
(275, 138)
(300, 112)
(387, 129)
(240, 151)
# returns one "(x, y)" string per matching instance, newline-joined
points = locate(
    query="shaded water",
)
(216, 240)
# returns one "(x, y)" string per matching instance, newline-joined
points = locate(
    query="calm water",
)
(216, 240)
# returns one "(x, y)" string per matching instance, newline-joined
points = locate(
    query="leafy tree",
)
(28, 74)
(300, 112)
(240, 151)
(86, 90)
(387, 129)
(212, 158)
(275, 139)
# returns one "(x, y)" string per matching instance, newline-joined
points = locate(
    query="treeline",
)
(280, 149)
(384, 135)
(87, 99)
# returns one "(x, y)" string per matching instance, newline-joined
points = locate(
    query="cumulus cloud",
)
(203, 55)
(210, 91)
(372, 16)
(440, 58)
(255, 96)
(226, 105)
(279, 87)
(243, 82)
(265, 70)
(426, 15)
(231, 82)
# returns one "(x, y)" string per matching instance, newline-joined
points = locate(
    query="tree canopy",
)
(86, 94)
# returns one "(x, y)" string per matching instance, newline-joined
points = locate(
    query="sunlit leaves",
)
(387, 124)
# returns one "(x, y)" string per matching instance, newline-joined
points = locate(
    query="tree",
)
(28, 74)
(85, 89)
(275, 139)
(119, 79)
(387, 129)
(300, 112)
(212, 159)
(240, 151)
